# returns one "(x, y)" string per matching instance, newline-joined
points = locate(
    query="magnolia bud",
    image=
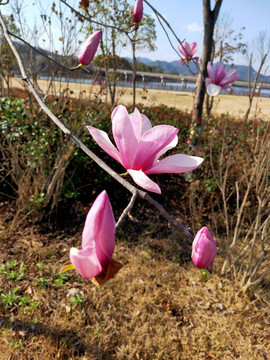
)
(204, 249)
(138, 11)
(89, 49)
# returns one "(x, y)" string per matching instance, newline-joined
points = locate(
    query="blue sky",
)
(186, 19)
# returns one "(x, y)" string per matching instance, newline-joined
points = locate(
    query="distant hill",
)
(175, 66)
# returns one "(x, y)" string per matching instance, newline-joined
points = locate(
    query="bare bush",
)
(247, 255)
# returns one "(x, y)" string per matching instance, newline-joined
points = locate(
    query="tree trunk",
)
(134, 71)
(252, 93)
(209, 19)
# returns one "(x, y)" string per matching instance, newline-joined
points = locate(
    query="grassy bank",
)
(232, 104)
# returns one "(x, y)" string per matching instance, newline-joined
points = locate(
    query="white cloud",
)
(194, 27)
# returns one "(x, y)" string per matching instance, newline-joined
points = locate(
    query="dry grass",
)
(234, 105)
(153, 309)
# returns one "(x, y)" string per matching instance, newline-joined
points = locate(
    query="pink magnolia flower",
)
(98, 240)
(219, 80)
(139, 146)
(138, 11)
(188, 50)
(204, 249)
(89, 49)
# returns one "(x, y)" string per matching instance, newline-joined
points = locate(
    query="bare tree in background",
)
(261, 48)
(226, 43)
(116, 15)
(43, 37)
(143, 38)
(209, 19)
(7, 62)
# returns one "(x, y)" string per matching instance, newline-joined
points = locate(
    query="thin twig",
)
(41, 53)
(89, 18)
(159, 16)
(126, 211)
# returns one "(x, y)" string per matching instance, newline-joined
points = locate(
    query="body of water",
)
(188, 87)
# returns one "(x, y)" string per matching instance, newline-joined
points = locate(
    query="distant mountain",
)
(175, 66)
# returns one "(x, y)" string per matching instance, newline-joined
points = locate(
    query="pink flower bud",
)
(204, 249)
(89, 49)
(138, 11)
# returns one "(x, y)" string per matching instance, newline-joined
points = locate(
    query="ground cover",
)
(155, 308)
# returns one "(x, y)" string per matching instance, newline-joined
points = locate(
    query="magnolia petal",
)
(220, 73)
(193, 48)
(86, 262)
(208, 81)
(196, 59)
(124, 136)
(138, 11)
(182, 47)
(182, 62)
(142, 180)
(229, 79)
(231, 72)
(89, 49)
(98, 230)
(170, 146)
(105, 143)
(210, 71)
(213, 90)
(200, 258)
(136, 122)
(178, 163)
(152, 143)
(204, 249)
(140, 123)
(204, 253)
(226, 87)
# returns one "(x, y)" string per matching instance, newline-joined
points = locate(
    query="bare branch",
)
(95, 158)
(88, 18)
(126, 211)
(159, 16)
(41, 53)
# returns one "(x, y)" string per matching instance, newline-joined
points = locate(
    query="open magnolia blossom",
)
(188, 50)
(139, 147)
(138, 11)
(89, 49)
(94, 261)
(204, 249)
(219, 80)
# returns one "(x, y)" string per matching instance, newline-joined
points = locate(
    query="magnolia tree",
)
(139, 148)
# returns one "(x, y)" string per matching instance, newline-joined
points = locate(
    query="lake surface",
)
(189, 87)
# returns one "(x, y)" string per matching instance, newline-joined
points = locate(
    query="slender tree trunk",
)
(252, 93)
(114, 80)
(209, 19)
(209, 105)
(134, 71)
